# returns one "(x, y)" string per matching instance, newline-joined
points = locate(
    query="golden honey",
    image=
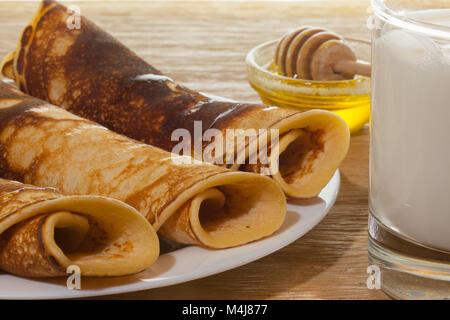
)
(348, 98)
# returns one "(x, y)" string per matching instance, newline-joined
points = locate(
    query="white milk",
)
(410, 146)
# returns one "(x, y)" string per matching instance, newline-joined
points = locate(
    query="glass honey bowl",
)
(348, 98)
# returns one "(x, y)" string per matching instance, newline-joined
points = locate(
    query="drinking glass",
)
(409, 197)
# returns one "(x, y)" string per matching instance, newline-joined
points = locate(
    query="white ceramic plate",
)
(184, 264)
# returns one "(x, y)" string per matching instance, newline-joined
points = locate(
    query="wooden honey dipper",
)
(317, 54)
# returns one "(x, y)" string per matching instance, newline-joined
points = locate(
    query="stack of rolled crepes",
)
(91, 74)
(43, 232)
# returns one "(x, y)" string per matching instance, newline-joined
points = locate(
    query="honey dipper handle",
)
(352, 68)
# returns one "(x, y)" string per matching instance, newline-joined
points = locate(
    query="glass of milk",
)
(409, 198)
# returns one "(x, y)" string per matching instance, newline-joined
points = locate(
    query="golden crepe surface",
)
(43, 232)
(91, 74)
(201, 203)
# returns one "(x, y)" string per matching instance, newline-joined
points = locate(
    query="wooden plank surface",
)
(203, 45)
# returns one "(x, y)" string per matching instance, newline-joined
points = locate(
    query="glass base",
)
(408, 270)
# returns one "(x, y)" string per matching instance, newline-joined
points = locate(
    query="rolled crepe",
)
(93, 75)
(202, 203)
(43, 232)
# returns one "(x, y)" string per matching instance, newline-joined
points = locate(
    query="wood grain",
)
(203, 45)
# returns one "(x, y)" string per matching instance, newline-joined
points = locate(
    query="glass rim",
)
(387, 14)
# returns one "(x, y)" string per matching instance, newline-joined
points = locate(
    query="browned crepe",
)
(93, 75)
(193, 202)
(42, 232)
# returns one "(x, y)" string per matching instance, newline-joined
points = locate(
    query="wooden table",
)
(203, 45)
